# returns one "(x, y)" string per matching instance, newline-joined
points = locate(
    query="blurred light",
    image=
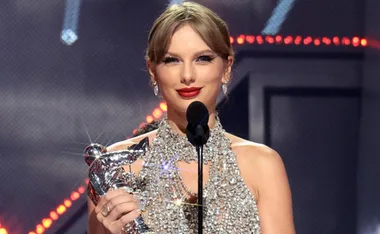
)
(278, 17)
(288, 40)
(250, 39)
(81, 189)
(346, 41)
(278, 39)
(67, 203)
(68, 36)
(141, 125)
(31, 233)
(231, 40)
(363, 42)
(47, 223)
(336, 40)
(307, 40)
(269, 39)
(240, 39)
(355, 41)
(157, 113)
(298, 40)
(61, 209)
(259, 40)
(163, 106)
(326, 40)
(53, 215)
(74, 196)
(86, 181)
(134, 131)
(149, 119)
(69, 33)
(40, 229)
(3, 231)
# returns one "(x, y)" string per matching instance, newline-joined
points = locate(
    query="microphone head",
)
(197, 130)
(197, 113)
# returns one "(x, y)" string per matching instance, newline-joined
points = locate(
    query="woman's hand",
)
(116, 209)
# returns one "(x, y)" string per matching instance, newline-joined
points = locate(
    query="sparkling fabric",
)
(229, 206)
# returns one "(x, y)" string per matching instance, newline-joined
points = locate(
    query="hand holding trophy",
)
(113, 189)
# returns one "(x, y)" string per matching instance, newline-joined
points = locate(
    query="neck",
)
(178, 121)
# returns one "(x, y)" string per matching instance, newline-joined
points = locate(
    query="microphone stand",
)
(200, 188)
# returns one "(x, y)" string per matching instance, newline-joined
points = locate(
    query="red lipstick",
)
(189, 92)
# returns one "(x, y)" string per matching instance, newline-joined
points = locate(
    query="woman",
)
(246, 190)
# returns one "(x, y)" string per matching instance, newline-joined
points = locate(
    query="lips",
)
(189, 92)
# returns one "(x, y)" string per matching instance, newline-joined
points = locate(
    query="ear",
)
(151, 70)
(227, 70)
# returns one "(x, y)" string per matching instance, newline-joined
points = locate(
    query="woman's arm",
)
(265, 171)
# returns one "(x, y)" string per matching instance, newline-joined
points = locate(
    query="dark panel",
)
(316, 133)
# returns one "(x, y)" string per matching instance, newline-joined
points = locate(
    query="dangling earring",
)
(224, 88)
(155, 88)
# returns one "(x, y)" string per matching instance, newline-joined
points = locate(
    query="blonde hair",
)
(210, 27)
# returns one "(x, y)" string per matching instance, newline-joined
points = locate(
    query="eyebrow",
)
(197, 53)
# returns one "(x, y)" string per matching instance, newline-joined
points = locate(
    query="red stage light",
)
(250, 39)
(40, 229)
(298, 40)
(288, 40)
(149, 119)
(81, 189)
(307, 40)
(240, 39)
(67, 203)
(326, 40)
(61, 209)
(3, 231)
(47, 223)
(346, 41)
(363, 42)
(74, 196)
(163, 106)
(269, 39)
(54, 215)
(157, 113)
(231, 40)
(278, 39)
(336, 40)
(259, 40)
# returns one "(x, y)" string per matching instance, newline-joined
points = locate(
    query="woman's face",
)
(190, 71)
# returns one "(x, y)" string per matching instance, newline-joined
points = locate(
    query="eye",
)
(167, 60)
(205, 58)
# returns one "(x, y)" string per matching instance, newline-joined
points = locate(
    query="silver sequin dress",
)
(229, 206)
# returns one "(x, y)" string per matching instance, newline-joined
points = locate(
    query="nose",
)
(187, 73)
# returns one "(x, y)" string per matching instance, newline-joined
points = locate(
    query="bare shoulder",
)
(257, 154)
(123, 145)
(259, 164)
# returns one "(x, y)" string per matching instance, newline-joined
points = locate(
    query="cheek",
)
(211, 75)
(168, 77)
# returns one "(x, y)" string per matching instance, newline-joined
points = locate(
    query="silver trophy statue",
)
(106, 172)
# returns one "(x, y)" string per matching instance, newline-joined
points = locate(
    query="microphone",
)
(198, 132)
